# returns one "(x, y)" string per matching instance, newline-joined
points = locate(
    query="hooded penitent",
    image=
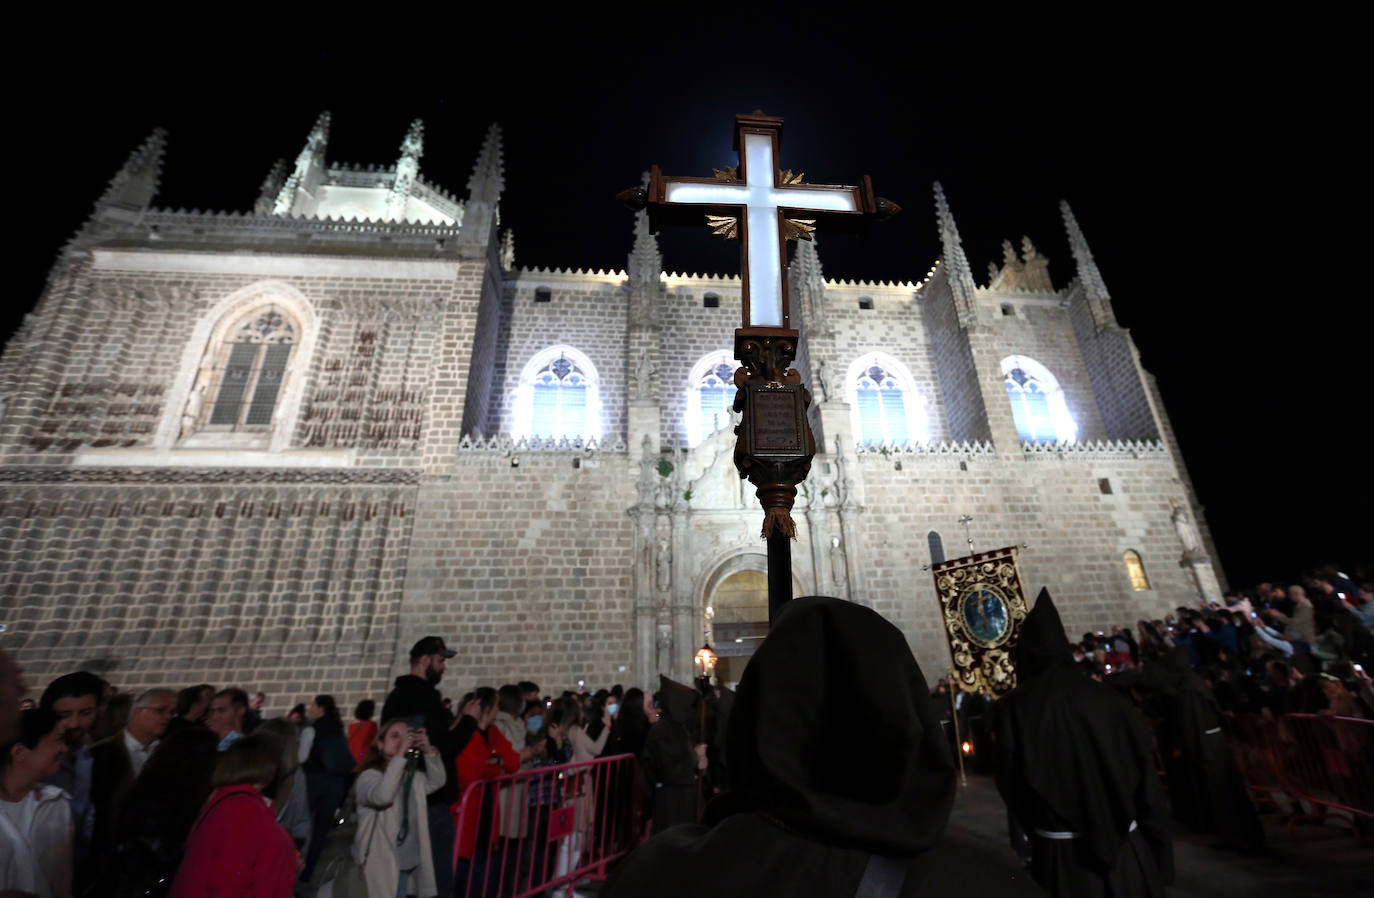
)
(1075, 755)
(838, 767)
(792, 757)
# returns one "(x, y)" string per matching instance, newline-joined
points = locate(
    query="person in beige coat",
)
(392, 839)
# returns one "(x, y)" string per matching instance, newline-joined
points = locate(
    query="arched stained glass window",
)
(558, 397)
(1037, 402)
(710, 395)
(560, 400)
(251, 366)
(1135, 568)
(936, 545)
(882, 409)
(884, 405)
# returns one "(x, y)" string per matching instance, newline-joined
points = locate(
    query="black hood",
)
(678, 701)
(833, 732)
(1041, 643)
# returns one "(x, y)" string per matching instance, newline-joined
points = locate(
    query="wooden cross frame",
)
(762, 206)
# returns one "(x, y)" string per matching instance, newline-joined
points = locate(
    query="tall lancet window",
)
(1135, 569)
(885, 408)
(710, 395)
(251, 366)
(1037, 402)
(558, 397)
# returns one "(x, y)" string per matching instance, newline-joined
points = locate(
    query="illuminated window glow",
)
(885, 408)
(558, 397)
(1136, 570)
(1037, 402)
(710, 395)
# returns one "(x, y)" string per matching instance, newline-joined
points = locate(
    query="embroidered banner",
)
(984, 606)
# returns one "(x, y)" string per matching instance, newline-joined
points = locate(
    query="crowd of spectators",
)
(197, 792)
(179, 792)
(1275, 649)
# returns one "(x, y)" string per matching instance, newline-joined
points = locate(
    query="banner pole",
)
(958, 741)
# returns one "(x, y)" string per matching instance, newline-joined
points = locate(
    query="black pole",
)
(779, 573)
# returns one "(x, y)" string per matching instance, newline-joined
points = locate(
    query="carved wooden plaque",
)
(984, 606)
(777, 420)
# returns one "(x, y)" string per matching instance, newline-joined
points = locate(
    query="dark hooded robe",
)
(1076, 770)
(670, 758)
(1205, 786)
(817, 809)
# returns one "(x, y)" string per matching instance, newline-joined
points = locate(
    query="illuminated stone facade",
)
(383, 492)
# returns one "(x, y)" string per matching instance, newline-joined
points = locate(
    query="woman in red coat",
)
(487, 755)
(236, 848)
(362, 732)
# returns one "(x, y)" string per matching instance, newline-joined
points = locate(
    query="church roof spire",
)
(484, 191)
(808, 286)
(136, 182)
(807, 264)
(957, 271)
(309, 165)
(646, 261)
(271, 186)
(407, 169)
(1093, 286)
(488, 172)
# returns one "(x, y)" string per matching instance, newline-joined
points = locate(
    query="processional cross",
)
(761, 205)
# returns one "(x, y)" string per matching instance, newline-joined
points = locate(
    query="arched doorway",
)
(739, 621)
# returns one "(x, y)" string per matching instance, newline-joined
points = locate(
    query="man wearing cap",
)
(417, 695)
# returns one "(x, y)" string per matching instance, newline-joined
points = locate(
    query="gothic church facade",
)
(274, 448)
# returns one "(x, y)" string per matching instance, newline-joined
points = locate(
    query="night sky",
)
(1213, 163)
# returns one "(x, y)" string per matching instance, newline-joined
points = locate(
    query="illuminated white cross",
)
(765, 203)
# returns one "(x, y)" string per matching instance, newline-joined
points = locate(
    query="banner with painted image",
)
(984, 605)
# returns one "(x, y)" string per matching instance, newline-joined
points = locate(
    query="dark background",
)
(1212, 158)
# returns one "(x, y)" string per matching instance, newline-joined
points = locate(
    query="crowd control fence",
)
(546, 828)
(1324, 761)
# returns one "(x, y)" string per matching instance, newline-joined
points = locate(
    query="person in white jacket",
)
(392, 840)
(35, 819)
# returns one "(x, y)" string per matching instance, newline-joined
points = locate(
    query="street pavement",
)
(1324, 861)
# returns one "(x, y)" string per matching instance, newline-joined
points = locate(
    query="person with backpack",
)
(328, 762)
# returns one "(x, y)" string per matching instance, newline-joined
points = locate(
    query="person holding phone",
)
(392, 845)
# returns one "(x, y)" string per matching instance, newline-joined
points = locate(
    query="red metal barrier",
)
(546, 828)
(1325, 761)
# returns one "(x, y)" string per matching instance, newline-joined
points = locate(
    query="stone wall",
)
(1052, 502)
(106, 349)
(289, 582)
(1042, 331)
(895, 326)
(965, 416)
(589, 317)
(527, 569)
(1114, 374)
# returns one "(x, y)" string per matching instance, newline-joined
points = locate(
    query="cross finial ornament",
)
(764, 206)
(966, 520)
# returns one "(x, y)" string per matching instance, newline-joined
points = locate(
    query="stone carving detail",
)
(346, 411)
(1187, 533)
(838, 568)
(823, 383)
(665, 566)
(664, 644)
(99, 413)
(644, 376)
(162, 475)
(195, 404)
